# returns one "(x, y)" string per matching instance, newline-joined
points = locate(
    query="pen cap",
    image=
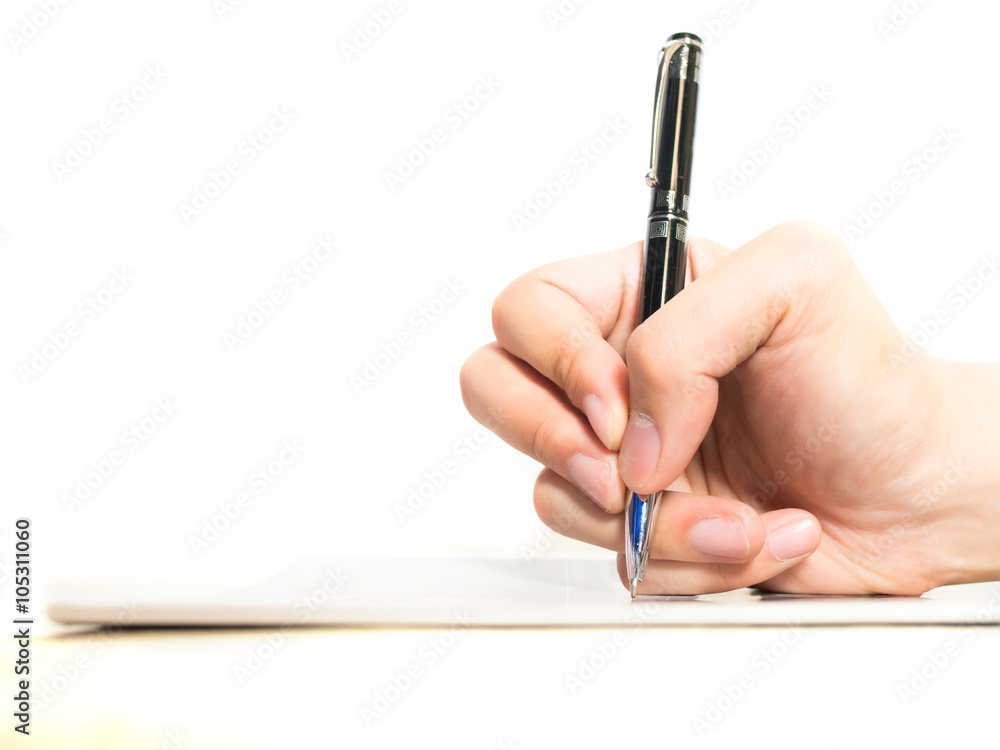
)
(673, 124)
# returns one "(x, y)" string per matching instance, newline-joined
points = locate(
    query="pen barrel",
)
(664, 263)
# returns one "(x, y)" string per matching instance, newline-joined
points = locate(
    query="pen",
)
(664, 257)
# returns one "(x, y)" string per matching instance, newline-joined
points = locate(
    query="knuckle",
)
(811, 255)
(814, 248)
(509, 299)
(647, 351)
(809, 232)
(635, 348)
(542, 441)
(466, 379)
(542, 497)
(468, 375)
(572, 357)
(546, 507)
(567, 368)
(499, 310)
(731, 577)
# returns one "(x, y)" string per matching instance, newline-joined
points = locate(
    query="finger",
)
(792, 535)
(676, 357)
(702, 255)
(531, 414)
(570, 321)
(686, 527)
(566, 319)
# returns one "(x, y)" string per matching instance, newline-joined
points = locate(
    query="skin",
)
(803, 443)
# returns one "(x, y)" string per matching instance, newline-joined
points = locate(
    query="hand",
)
(804, 444)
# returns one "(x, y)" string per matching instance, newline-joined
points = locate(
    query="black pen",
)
(664, 258)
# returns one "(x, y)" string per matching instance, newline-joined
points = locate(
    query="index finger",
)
(570, 321)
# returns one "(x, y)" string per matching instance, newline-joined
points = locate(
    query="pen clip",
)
(679, 47)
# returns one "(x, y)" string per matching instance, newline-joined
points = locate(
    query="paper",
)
(483, 592)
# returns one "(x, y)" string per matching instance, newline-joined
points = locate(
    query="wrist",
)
(962, 497)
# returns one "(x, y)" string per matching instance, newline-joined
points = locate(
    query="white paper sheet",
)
(478, 592)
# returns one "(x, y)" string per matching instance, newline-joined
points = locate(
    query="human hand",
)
(803, 444)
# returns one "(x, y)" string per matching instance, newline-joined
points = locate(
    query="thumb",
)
(677, 355)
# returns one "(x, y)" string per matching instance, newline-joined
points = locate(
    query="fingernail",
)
(600, 418)
(793, 539)
(720, 537)
(591, 476)
(640, 449)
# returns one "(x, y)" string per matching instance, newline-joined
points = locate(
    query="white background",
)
(894, 81)
(325, 175)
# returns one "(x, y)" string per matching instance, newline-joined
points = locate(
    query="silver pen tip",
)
(635, 585)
